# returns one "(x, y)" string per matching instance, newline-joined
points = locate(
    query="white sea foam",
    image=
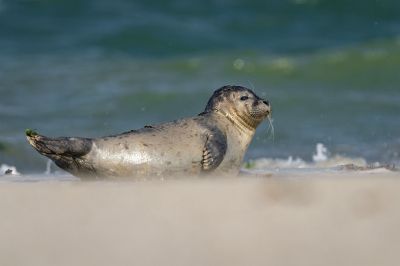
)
(322, 153)
(8, 170)
(321, 160)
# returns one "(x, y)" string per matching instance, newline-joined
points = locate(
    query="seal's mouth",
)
(261, 109)
(270, 129)
(259, 114)
(268, 111)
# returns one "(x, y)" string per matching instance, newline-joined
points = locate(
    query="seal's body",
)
(214, 141)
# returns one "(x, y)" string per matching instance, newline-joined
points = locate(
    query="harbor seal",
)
(214, 141)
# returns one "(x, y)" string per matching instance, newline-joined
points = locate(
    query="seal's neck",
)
(242, 123)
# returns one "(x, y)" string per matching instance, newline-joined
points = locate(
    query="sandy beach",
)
(349, 218)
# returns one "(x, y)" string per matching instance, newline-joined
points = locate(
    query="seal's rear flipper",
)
(72, 147)
(65, 152)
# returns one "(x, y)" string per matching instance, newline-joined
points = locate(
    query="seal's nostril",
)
(266, 102)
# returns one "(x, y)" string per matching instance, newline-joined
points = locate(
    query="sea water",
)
(91, 68)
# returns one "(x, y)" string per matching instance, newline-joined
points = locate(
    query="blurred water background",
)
(331, 70)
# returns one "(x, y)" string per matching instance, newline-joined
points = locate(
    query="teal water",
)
(92, 68)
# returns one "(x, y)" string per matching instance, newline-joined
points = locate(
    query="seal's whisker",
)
(270, 128)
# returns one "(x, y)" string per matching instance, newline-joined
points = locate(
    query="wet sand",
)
(288, 219)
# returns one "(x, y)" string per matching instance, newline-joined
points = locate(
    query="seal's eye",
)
(244, 98)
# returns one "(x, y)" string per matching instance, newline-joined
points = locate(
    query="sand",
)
(309, 219)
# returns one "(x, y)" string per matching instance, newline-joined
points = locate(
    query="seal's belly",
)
(171, 152)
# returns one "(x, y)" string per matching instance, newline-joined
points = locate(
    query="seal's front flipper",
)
(213, 152)
(70, 147)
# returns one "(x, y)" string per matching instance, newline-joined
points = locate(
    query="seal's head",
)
(240, 105)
